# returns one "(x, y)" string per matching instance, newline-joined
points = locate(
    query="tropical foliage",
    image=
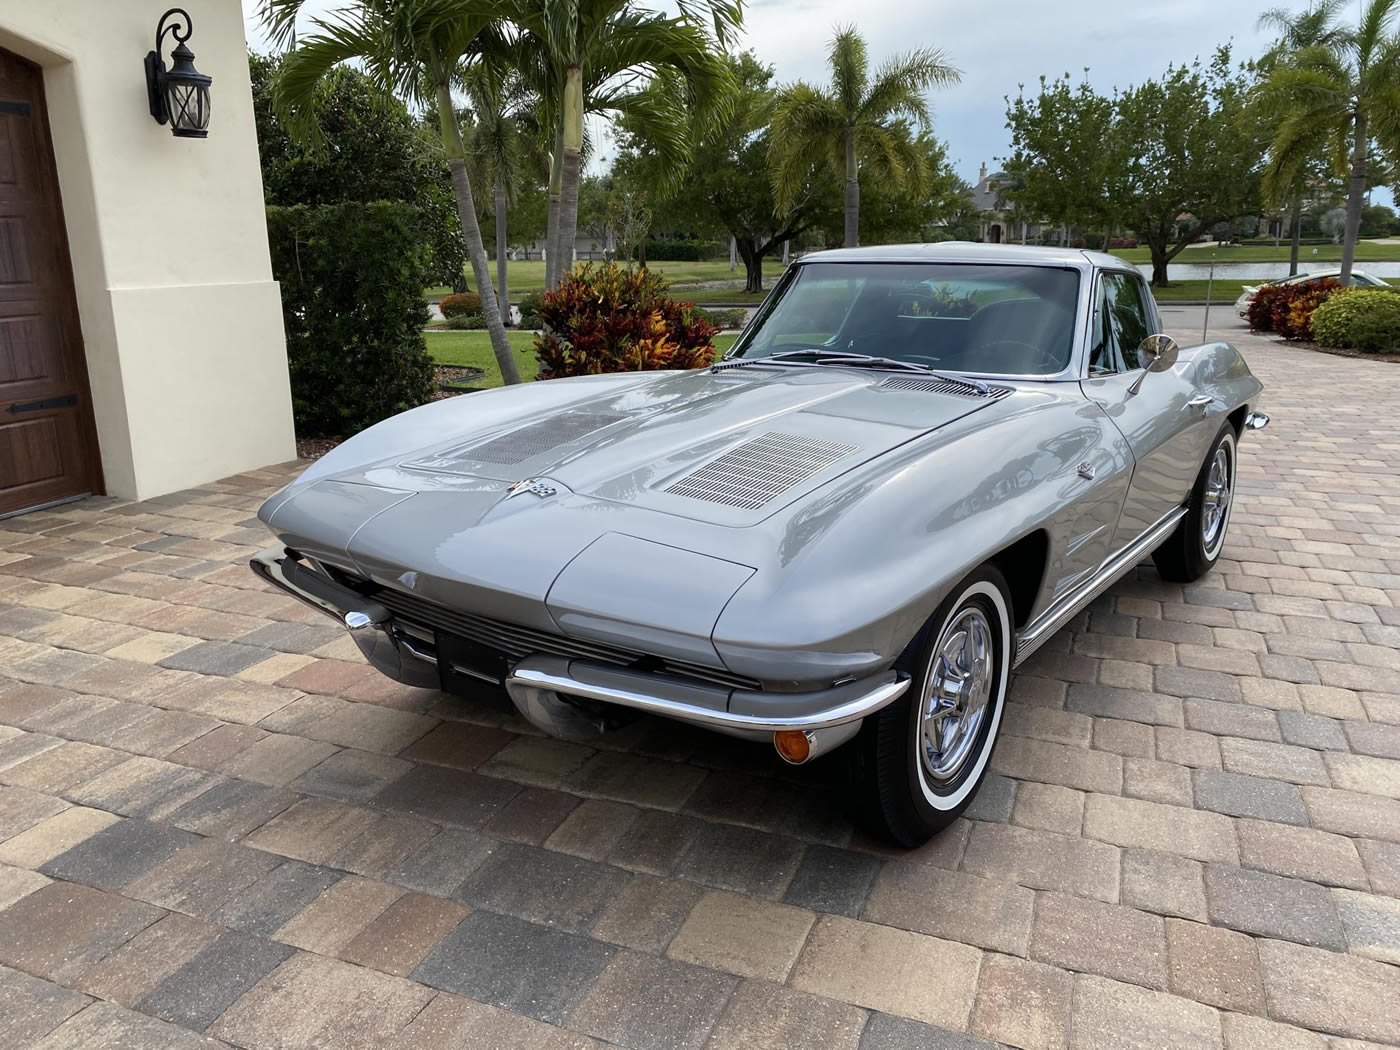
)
(1335, 93)
(1287, 309)
(611, 318)
(415, 49)
(861, 121)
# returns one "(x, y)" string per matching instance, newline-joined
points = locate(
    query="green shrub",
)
(460, 304)
(721, 318)
(531, 322)
(1359, 319)
(610, 319)
(464, 322)
(353, 310)
(1288, 308)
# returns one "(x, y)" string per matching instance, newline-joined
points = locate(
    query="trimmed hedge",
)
(1359, 319)
(720, 317)
(352, 278)
(610, 319)
(460, 304)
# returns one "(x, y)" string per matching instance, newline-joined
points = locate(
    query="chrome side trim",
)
(615, 686)
(1039, 630)
(1256, 421)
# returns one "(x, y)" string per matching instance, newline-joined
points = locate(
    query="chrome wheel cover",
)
(957, 698)
(1215, 501)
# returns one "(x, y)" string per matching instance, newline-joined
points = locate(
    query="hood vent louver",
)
(538, 438)
(935, 385)
(760, 469)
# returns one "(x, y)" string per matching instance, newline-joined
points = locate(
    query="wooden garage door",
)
(48, 448)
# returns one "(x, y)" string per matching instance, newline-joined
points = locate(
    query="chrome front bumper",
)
(409, 659)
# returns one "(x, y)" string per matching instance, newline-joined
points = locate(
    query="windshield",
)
(991, 320)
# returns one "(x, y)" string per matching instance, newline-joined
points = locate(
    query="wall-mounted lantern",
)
(179, 96)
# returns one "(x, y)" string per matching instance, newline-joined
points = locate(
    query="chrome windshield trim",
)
(1038, 631)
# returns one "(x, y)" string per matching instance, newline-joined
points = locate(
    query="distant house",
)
(997, 222)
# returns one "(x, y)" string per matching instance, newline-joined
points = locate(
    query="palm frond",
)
(302, 70)
(900, 85)
(850, 68)
(1296, 143)
(807, 122)
(891, 155)
(1371, 33)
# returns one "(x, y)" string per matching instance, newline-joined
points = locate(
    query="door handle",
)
(1200, 401)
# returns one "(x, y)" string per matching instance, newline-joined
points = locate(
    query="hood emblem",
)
(1086, 471)
(534, 486)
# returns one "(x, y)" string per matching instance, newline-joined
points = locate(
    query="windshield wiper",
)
(850, 359)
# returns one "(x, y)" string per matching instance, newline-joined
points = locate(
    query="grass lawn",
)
(1201, 253)
(473, 350)
(1187, 291)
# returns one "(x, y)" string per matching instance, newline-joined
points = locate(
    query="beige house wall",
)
(181, 318)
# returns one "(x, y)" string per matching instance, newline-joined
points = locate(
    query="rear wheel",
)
(920, 761)
(1194, 548)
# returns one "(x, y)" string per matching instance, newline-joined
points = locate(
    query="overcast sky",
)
(997, 44)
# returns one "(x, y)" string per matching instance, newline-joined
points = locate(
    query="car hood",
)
(729, 447)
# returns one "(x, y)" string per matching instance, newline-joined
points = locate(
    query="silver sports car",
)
(914, 466)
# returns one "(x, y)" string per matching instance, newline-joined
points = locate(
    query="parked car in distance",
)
(915, 465)
(1358, 280)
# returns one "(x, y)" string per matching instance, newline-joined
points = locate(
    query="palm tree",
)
(415, 49)
(1335, 95)
(1317, 25)
(502, 151)
(590, 56)
(857, 122)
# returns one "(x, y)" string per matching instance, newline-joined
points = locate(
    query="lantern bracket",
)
(155, 66)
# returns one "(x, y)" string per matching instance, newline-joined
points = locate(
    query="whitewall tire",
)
(921, 760)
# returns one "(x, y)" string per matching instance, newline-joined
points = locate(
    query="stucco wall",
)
(180, 315)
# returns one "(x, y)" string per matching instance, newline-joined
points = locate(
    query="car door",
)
(1164, 420)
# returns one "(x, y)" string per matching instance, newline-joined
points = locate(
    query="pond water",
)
(1247, 271)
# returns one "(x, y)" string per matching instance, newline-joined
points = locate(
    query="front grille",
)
(760, 470)
(943, 386)
(515, 642)
(537, 438)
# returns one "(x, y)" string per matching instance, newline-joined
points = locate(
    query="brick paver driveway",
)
(215, 821)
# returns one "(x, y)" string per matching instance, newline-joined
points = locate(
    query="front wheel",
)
(1194, 547)
(920, 761)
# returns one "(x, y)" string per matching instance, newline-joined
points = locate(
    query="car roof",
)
(971, 252)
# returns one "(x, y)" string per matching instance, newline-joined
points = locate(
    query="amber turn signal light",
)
(793, 745)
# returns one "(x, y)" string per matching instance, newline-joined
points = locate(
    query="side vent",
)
(760, 469)
(935, 385)
(536, 438)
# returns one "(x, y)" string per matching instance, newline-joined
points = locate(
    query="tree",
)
(1336, 96)
(726, 189)
(891, 215)
(502, 154)
(1316, 26)
(371, 150)
(1064, 150)
(412, 48)
(1168, 159)
(856, 122)
(590, 55)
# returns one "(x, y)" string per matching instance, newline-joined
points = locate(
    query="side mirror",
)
(1157, 353)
